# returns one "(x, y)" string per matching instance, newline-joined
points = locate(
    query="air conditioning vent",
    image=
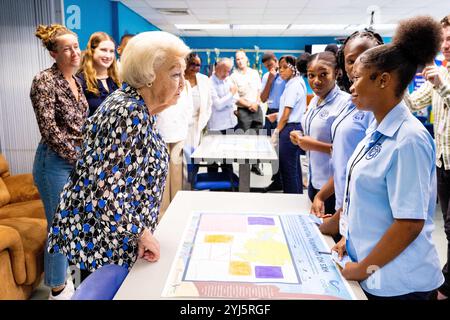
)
(173, 11)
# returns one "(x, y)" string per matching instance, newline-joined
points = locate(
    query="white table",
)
(243, 149)
(146, 280)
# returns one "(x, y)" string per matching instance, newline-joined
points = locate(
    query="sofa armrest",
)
(21, 187)
(10, 240)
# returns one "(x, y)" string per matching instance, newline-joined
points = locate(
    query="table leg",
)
(244, 177)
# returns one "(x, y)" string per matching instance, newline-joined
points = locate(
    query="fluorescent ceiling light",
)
(341, 26)
(203, 26)
(318, 26)
(259, 26)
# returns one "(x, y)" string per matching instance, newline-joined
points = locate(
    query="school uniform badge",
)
(373, 152)
(358, 116)
(324, 114)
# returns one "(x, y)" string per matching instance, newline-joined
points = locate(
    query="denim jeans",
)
(290, 168)
(50, 173)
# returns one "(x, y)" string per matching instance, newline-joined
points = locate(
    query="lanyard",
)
(343, 118)
(352, 166)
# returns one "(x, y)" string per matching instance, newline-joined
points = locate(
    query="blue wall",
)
(249, 43)
(114, 18)
(287, 43)
(88, 20)
(131, 22)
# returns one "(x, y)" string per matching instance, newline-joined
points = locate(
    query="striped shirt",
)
(439, 98)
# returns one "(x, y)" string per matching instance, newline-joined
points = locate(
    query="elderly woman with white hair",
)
(109, 208)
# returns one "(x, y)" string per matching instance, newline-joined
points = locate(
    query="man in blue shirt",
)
(273, 87)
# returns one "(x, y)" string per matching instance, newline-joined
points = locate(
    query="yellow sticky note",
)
(240, 268)
(218, 238)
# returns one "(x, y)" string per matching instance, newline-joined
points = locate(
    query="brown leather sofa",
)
(23, 233)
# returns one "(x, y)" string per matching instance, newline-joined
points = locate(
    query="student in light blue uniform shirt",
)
(390, 194)
(292, 108)
(273, 86)
(327, 103)
(347, 130)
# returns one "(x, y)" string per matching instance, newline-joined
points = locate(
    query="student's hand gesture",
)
(318, 208)
(305, 142)
(431, 73)
(272, 117)
(148, 247)
(340, 248)
(272, 74)
(295, 135)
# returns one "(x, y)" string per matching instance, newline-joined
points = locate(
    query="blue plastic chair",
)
(102, 284)
(212, 180)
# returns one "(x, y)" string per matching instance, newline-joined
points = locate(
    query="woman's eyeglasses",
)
(195, 65)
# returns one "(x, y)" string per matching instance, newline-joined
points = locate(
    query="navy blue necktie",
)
(373, 139)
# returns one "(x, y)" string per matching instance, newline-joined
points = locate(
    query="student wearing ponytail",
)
(61, 110)
(390, 194)
(347, 130)
(291, 110)
(98, 74)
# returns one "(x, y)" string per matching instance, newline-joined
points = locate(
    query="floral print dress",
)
(116, 188)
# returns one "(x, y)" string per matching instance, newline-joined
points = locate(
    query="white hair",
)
(225, 61)
(146, 52)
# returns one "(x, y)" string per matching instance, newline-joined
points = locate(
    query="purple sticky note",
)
(268, 272)
(261, 220)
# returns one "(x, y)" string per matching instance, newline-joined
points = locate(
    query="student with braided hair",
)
(347, 130)
(390, 194)
(353, 46)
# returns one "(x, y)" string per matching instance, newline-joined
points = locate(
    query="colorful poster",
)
(254, 256)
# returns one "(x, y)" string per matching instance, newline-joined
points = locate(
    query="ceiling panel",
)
(167, 3)
(282, 12)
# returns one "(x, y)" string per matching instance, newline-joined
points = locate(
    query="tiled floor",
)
(42, 292)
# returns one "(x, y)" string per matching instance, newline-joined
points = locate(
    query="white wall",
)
(21, 58)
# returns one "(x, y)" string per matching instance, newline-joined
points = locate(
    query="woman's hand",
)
(148, 247)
